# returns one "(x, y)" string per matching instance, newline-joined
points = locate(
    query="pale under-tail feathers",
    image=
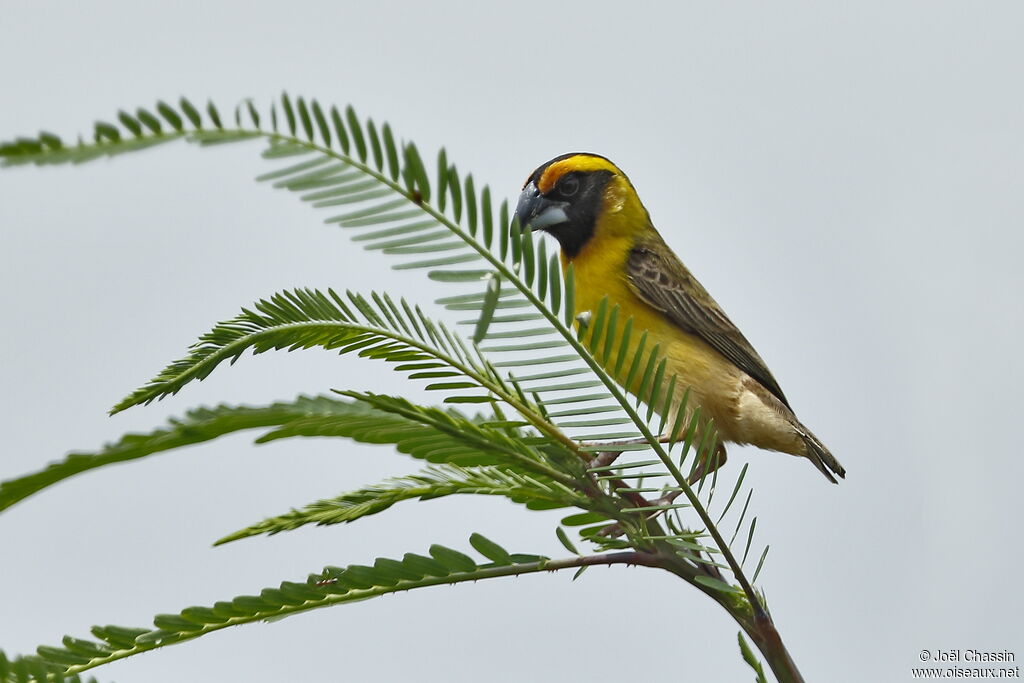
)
(819, 455)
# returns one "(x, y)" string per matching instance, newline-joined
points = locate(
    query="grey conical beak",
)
(536, 212)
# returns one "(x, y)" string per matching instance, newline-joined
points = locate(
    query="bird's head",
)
(575, 196)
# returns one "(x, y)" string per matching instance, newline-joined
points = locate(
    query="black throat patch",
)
(584, 205)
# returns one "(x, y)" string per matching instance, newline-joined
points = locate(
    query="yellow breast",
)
(599, 271)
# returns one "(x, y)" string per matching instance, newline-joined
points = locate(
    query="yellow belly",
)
(715, 384)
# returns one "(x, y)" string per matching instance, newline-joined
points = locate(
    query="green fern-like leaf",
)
(536, 492)
(412, 429)
(307, 318)
(198, 425)
(751, 659)
(448, 227)
(49, 666)
(334, 586)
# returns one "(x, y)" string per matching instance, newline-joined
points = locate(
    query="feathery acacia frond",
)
(303, 319)
(197, 425)
(335, 161)
(333, 586)
(500, 438)
(31, 669)
(412, 429)
(534, 491)
(524, 312)
(566, 377)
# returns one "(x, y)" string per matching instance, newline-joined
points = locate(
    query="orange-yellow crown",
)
(548, 175)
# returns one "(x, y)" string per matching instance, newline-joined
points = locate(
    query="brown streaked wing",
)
(662, 281)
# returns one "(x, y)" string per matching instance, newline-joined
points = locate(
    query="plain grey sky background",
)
(844, 178)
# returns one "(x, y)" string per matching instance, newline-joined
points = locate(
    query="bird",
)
(604, 231)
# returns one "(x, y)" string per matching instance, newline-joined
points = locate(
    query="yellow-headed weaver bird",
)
(586, 203)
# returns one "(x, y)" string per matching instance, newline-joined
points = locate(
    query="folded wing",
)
(660, 279)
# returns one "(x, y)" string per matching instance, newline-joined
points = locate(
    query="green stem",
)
(761, 629)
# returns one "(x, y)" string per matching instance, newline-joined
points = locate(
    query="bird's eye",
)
(568, 185)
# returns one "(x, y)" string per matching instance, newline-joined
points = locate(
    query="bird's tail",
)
(819, 455)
